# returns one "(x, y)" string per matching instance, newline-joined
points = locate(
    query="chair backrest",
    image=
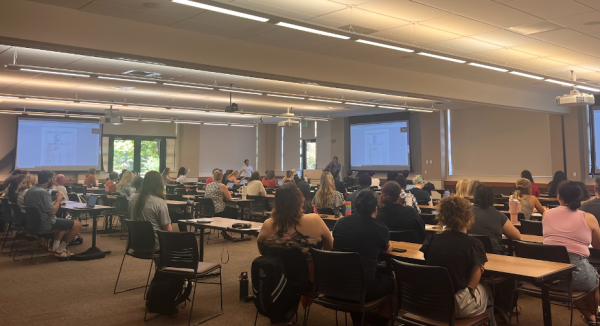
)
(34, 220)
(328, 211)
(141, 237)
(404, 236)
(425, 291)
(339, 275)
(258, 205)
(428, 218)
(180, 191)
(486, 241)
(540, 251)
(174, 197)
(178, 249)
(121, 203)
(19, 217)
(79, 189)
(73, 196)
(532, 227)
(422, 202)
(205, 207)
(6, 211)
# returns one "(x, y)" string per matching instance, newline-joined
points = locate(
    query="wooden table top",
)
(75, 205)
(176, 202)
(226, 223)
(505, 265)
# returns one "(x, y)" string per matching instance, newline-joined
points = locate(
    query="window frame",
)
(137, 147)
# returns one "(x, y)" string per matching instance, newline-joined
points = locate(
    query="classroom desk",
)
(242, 203)
(76, 207)
(538, 272)
(96, 190)
(223, 224)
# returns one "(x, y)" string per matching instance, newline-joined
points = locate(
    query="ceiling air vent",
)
(544, 26)
(358, 29)
(142, 74)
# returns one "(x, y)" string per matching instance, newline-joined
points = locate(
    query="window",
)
(122, 155)
(309, 154)
(150, 156)
(137, 154)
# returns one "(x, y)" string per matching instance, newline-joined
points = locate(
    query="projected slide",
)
(379, 146)
(61, 145)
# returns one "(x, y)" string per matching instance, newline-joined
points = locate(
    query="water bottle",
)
(188, 207)
(243, 279)
(244, 192)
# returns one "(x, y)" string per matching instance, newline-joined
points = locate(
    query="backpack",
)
(166, 292)
(277, 289)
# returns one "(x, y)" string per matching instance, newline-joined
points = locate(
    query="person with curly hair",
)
(462, 255)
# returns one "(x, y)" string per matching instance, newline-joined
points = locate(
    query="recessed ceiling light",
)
(323, 100)
(312, 30)
(286, 96)
(93, 103)
(236, 91)
(10, 112)
(419, 110)
(591, 89)
(128, 80)
(188, 86)
(190, 122)
(234, 125)
(215, 124)
(487, 67)
(391, 107)
(559, 82)
(221, 10)
(54, 72)
(360, 104)
(387, 46)
(526, 75)
(441, 57)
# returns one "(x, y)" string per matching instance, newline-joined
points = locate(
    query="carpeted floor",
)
(81, 293)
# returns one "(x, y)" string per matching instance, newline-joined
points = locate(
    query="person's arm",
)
(163, 217)
(592, 223)
(56, 204)
(536, 203)
(265, 231)
(235, 181)
(510, 231)
(476, 273)
(261, 190)
(326, 235)
(430, 202)
(226, 192)
(168, 227)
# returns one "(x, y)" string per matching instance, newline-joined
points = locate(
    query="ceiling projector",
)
(117, 120)
(575, 98)
(288, 123)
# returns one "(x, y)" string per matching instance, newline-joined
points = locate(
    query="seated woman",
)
(233, 177)
(166, 175)
(181, 178)
(375, 182)
(462, 255)
(209, 180)
(422, 196)
(269, 180)
(124, 186)
(395, 215)
(225, 175)
(559, 176)
(136, 185)
(111, 184)
(528, 202)
(219, 193)
(255, 187)
(329, 198)
(11, 190)
(567, 226)
(585, 194)
(290, 227)
(60, 186)
(339, 185)
(27, 183)
(535, 191)
(289, 176)
(489, 221)
(90, 179)
(462, 188)
(473, 184)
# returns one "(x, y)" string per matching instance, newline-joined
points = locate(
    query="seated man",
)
(39, 198)
(364, 182)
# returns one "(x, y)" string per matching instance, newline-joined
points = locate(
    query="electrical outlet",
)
(574, 174)
(425, 171)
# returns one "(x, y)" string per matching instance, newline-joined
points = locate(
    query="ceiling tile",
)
(459, 25)
(468, 44)
(280, 42)
(403, 9)
(417, 33)
(571, 39)
(129, 13)
(577, 22)
(160, 7)
(542, 49)
(504, 38)
(228, 21)
(304, 9)
(353, 49)
(549, 9)
(196, 26)
(101, 65)
(363, 18)
(41, 58)
(591, 3)
(504, 55)
(574, 58)
(458, 6)
(537, 64)
(501, 16)
(394, 59)
(73, 4)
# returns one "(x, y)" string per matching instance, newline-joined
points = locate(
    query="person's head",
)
(289, 174)
(522, 188)
(270, 174)
(371, 174)
(405, 174)
(182, 171)
(288, 207)
(92, 171)
(247, 162)
(166, 173)
(45, 178)
(294, 172)
(152, 185)
(233, 174)
(24, 172)
(585, 194)
(255, 176)
(217, 175)
(484, 197)
(227, 173)
(29, 181)
(462, 188)
(126, 179)
(335, 159)
(527, 175)
(60, 179)
(137, 182)
(559, 176)
(113, 175)
(569, 194)
(391, 176)
(455, 213)
(364, 180)
(419, 181)
(390, 192)
(349, 173)
(401, 180)
(473, 184)
(16, 172)
(324, 195)
(365, 203)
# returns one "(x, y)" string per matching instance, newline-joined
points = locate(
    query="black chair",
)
(328, 211)
(34, 221)
(179, 257)
(404, 236)
(79, 189)
(178, 197)
(339, 283)
(205, 207)
(180, 190)
(257, 208)
(121, 205)
(426, 297)
(486, 241)
(532, 227)
(428, 218)
(8, 220)
(140, 245)
(552, 253)
(73, 197)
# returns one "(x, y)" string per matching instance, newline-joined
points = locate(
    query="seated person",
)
(30, 181)
(269, 180)
(329, 198)
(136, 184)
(391, 176)
(210, 179)
(559, 176)
(405, 174)
(593, 206)
(289, 176)
(60, 186)
(364, 182)
(111, 184)
(13, 186)
(568, 226)
(39, 198)
(233, 178)
(125, 184)
(349, 180)
(375, 182)
(339, 185)
(360, 232)
(408, 198)
(489, 221)
(219, 193)
(255, 187)
(473, 184)
(462, 255)
(166, 175)
(528, 202)
(535, 190)
(395, 215)
(305, 190)
(462, 188)
(149, 205)
(585, 194)
(422, 197)
(90, 179)
(181, 178)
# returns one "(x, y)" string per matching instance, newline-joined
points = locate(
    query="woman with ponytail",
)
(574, 229)
(528, 202)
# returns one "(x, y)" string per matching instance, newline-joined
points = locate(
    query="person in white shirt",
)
(181, 178)
(375, 182)
(255, 186)
(246, 170)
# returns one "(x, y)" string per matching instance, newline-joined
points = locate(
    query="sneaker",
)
(61, 254)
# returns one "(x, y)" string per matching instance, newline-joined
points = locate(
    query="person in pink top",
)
(568, 226)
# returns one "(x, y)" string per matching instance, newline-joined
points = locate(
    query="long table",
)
(539, 272)
(76, 207)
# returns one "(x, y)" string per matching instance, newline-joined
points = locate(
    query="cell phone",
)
(399, 250)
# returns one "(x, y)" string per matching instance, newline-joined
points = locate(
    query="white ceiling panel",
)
(394, 59)
(501, 16)
(574, 58)
(418, 33)
(459, 25)
(358, 49)
(578, 22)
(282, 42)
(403, 9)
(590, 3)
(504, 55)
(73, 4)
(571, 39)
(161, 7)
(537, 64)
(549, 9)
(540, 48)
(34, 57)
(469, 45)
(196, 26)
(360, 17)
(289, 7)
(458, 6)
(228, 21)
(503, 38)
(129, 13)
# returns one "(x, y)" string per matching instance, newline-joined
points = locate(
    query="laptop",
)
(91, 203)
(243, 182)
(230, 184)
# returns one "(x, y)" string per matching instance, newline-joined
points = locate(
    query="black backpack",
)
(166, 292)
(278, 280)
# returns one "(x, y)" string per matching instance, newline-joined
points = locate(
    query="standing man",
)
(335, 165)
(246, 170)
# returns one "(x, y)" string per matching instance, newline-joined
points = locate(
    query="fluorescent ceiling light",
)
(315, 119)
(526, 75)
(441, 57)
(128, 80)
(487, 67)
(10, 112)
(591, 89)
(419, 110)
(221, 10)
(312, 30)
(286, 96)
(215, 124)
(43, 99)
(93, 103)
(385, 46)
(9, 97)
(165, 121)
(145, 107)
(553, 81)
(130, 119)
(361, 104)
(184, 110)
(55, 72)
(323, 100)
(188, 86)
(391, 107)
(189, 122)
(236, 91)
(242, 125)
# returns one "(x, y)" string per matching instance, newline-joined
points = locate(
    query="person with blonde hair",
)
(233, 177)
(166, 175)
(219, 193)
(462, 188)
(27, 183)
(289, 176)
(422, 196)
(528, 202)
(473, 184)
(125, 184)
(327, 197)
(60, 185)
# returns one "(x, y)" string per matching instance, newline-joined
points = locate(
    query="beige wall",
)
(8, 138)
(132, 128)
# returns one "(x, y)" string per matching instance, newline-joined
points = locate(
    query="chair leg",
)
(119, 275)
(18, 241)
(256, 317)
(336, 319)
(148, 279)
(306, 313)
(193, 299)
